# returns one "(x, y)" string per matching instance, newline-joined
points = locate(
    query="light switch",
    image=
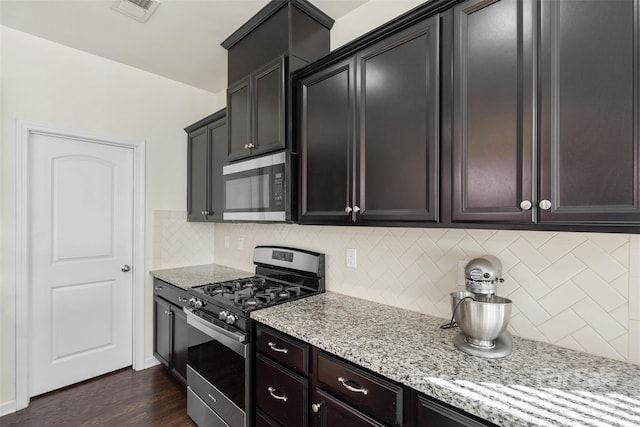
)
(352, 258)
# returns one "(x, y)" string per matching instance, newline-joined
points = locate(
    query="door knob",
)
(125, 268)
(545, 205)
(525, 205)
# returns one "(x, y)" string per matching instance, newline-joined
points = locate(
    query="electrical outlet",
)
(461, 266)
(227, 242)
(352, 258)
(240, 243)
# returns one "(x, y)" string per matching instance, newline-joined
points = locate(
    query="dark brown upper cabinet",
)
(206, 154)
(493, 106)
(589, 112)
(368, 131)
(282, 37)
(256, 108)
(546, 133)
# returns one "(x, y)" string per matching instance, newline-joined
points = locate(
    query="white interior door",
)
(80, 223)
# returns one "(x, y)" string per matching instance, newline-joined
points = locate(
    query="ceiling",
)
(180, 41)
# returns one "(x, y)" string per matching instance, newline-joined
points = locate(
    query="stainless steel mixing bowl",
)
(483, 320)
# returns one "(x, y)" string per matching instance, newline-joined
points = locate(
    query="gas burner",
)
(280, 292)
(252, 300)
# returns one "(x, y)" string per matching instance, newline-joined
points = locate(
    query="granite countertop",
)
(538, 384)
(187, 277)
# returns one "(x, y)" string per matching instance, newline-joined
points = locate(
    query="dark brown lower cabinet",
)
(170, 335)
(430, 413)
(300, 385)
(334, 412)
(281, 393)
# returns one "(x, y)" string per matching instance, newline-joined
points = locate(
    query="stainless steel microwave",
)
(258, 189)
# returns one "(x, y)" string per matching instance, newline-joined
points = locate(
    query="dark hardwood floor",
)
(151, 397)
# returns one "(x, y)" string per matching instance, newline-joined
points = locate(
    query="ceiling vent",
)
(140, 10)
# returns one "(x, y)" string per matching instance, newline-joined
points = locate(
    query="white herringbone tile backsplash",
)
(178, 243)
(576, 290)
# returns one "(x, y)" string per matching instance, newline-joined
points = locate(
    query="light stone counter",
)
(188, 277)
(538, 384)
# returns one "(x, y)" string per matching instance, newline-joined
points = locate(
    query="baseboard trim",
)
(150, 361)
(7, 408)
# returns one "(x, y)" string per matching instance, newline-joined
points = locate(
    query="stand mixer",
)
(482, 316)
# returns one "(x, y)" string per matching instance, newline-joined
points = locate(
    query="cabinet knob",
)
(356, 209)
(315, 407)
(545, 205)
(348, 209)
(525, 205)
(252, 146)
(246, 146)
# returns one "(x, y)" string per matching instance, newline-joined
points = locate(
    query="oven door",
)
(216, 372)
(255, 189)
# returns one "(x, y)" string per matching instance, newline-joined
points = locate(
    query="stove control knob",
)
(223, 315)
(231, 319)
(195, 302)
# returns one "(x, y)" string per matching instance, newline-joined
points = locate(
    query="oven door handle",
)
(233, 340)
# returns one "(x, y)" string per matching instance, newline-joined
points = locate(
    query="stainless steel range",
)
(219, 361)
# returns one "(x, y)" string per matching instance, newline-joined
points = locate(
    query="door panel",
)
(269, 108)
(327, 137)
(398, 129)
(197, 172)
(80, 200)
(218, 147)
(239, 120)
(493, 101)
(589, 110)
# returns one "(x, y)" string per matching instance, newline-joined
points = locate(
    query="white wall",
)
(367, 17)
(575, 290)
(51, 84)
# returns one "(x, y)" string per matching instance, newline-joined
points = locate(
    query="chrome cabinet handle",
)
(361, 389)
(157, 288)
(525, 205)
(315, 407)
(356, 209)
(348, 209)
(545, 205)
(272, 390)
(182, 299)
(125, 268)
(273, 346)
(211, 397)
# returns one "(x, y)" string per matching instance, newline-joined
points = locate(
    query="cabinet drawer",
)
(370, 393)
(281, 394)
(285, 350)
(171, 293)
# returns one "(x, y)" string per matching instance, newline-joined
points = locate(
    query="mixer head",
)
(483, 274)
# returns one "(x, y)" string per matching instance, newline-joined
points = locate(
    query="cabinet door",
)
(239, 120)
(326, 129)
(493, 110)
(218, 148)
(331, 412)
(398, 137)
(590, 111)
(162, 330)
(431, 414)
(197, 170)
(179, 343)
(268, 108)
(281, 394)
